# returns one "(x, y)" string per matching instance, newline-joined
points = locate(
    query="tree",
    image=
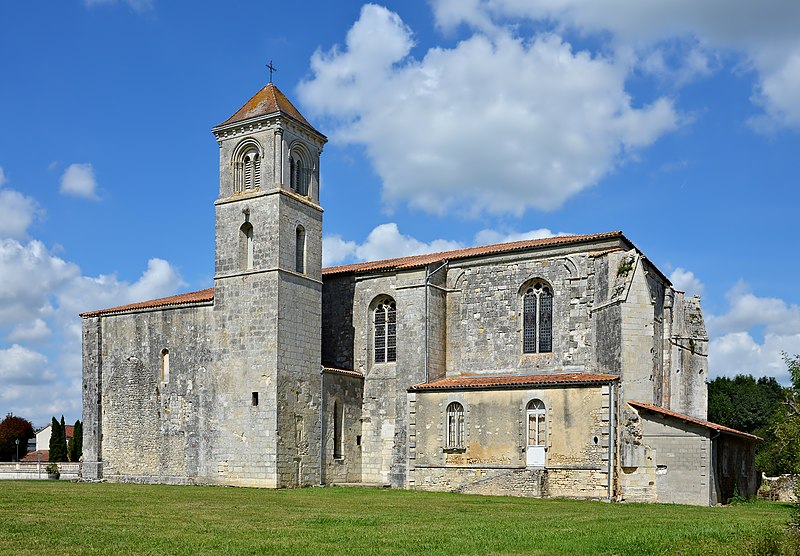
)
(744, 403)
(75, 446)
(58, 441)
(781, 451)
(13, 429)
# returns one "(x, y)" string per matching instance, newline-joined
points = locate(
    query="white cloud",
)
(764, 33)
(32, 331)
(489, 237)
(79, 180)
(495, 124)
(19, 365)
(735, 346)
(686, 281)
(3, 178)
(383, 242)
(16, 213)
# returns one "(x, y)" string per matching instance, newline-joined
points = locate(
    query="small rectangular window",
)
(255, 398)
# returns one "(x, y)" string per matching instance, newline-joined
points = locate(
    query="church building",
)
(559, 367)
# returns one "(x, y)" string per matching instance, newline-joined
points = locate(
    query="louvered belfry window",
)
(385, 332)
(537, 319)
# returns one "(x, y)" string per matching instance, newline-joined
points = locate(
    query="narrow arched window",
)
(299, 175)
(537, 319)
(300, 250)
(246, 246)
(165, 365)
(338, 415)
(292, 184)
(252, 170)
(385, 332)
(455, 426)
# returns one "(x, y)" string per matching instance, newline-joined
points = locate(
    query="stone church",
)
(558, 367)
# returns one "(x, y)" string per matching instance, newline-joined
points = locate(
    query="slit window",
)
(254, 399)
(165, 365)
(337, 430)
(300, 250)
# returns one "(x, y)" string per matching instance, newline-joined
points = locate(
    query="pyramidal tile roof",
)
(498, 248)
(269, 100)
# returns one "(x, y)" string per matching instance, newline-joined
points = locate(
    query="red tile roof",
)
(342, 372)
(269, 100)
(422, 260)
(182, 299)
(693, 420)
(36, 455)
(513, 381)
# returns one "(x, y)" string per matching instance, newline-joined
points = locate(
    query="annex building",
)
(566, 366)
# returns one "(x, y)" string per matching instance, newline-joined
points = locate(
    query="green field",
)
(59, 517)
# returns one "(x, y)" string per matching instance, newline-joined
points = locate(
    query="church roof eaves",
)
(513, 381)
(693, 420)
(202, 296)
(414, 261)
(346, 372)
(269, 100)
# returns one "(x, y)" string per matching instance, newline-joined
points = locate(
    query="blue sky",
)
(451, 123)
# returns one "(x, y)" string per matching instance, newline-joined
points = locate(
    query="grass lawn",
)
(59, 517)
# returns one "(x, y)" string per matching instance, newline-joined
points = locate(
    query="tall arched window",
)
(165, 365)
(537, 433)
(454, 437)
(537, 318)
(246, 167)
(300, 250)
(246, 246)
(385, 331)
(299, 174)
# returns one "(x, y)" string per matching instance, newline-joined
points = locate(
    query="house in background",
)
(43, 436)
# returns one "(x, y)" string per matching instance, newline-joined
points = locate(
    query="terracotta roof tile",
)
(182, 299)
(269, 100)
(693, 420)
(513, 381)
(422, 260)
(36, 455)
(342, 372)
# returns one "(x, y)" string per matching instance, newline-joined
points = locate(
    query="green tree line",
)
(764, 408)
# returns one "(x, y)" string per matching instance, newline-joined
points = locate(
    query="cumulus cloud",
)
(495, 124)
(22, 366)
(32, 331)
(751, 335)
(764, 33)
(686, 281)
(79, 180)
(17, 212)
(383, 242)
(40, 298)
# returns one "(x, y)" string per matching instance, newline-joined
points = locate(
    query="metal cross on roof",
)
(271, 69)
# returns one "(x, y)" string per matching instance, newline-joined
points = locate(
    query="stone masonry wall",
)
(149, 429)
(493, 460)
(346, 392)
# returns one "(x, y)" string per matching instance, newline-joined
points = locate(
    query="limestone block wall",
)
(261, 210)
(245, 375)
(677, 459)
(689, 358)
(343, 393)
(298, 379)
(145, 428)
(338, 332)
(484, 320)
(493, 460)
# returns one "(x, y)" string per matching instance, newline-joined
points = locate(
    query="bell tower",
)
(268, 292)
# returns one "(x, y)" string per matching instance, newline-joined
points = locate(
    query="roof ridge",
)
(702, 422)
(186, 298)
(476, 250)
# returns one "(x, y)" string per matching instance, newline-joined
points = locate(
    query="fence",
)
(36, 470)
